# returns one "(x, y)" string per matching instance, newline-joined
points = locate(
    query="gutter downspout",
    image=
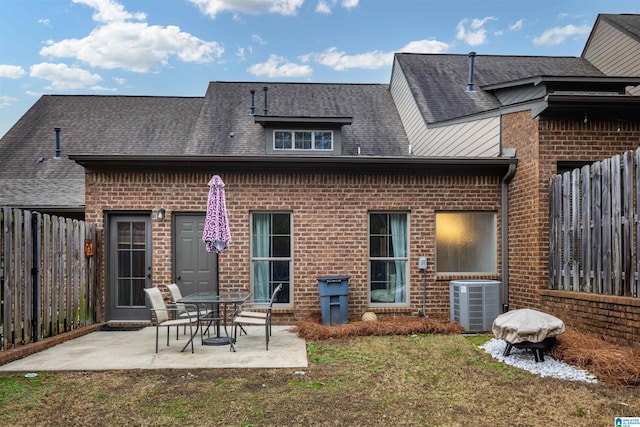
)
(505, 235)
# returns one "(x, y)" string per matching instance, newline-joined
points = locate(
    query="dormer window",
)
(303, 140)
(303, 136)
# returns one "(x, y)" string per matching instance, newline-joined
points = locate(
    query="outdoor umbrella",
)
(216, 234)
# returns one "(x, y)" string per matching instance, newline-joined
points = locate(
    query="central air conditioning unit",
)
(474, 304)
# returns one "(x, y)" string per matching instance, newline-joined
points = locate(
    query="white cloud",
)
(240, 54)
(110, 11)
(11, 71)
(255, 7)
(517, 26)
(323, 7)
(425, 46)
(134, 46)
(350, 4)
(63, 77)
(277, 66)
(472, 31)
(43, 21)
(32, 93)
(340, 61)
(119, 80)
(7, 101)
(256, 38)
(558, 35)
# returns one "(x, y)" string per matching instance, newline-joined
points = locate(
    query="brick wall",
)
(527, 247)
(330, 217)
(541, 145)
(614, 319)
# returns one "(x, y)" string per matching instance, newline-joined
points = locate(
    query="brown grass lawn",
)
(415, 379)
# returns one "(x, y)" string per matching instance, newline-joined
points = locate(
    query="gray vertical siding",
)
(414, 124)
(614, 52)
(476, 138)
(514, 96)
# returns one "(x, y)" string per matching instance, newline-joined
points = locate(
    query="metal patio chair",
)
(183, 313)
(245, 316)
(167, 316)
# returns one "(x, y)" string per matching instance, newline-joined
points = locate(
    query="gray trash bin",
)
(334, 293)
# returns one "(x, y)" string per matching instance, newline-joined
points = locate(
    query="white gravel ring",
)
(523, 359)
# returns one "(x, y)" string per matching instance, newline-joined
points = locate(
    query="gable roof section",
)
(92, 125)
(614, 46)
(375, 124)
(628, 24)
(438, 81)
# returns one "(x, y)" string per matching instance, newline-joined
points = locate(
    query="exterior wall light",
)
(88, 248)
(160, 213)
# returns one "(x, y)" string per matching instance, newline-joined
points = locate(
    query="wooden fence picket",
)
(585, 236)
(47, 275)
(594, 232)
(627, 223)
(48, 284)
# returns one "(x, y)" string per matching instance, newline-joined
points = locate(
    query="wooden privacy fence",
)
(48, 276)
(594, 233)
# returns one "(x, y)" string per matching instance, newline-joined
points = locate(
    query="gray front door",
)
(195, 268)
(129, 267)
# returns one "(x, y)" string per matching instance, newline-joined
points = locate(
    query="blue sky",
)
(175, 47)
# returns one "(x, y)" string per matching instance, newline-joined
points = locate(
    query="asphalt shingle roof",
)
(89, 125)
(376, 127)
(438, 82)
(174, 126)
(629, 23)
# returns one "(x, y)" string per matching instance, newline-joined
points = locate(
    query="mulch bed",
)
(313, 329)
(610, 363)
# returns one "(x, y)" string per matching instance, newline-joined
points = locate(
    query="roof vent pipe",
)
(472, 58)
(266, 103)
(58, 151)
(252, 110)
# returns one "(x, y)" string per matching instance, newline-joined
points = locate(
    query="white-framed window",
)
(271, 255)
(466, 242)
(303, 140)
(388, 258)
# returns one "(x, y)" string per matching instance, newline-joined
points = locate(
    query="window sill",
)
(463, 276)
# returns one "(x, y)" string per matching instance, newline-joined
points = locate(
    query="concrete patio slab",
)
(108, 350)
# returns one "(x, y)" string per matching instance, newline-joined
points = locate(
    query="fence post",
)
(35, 271)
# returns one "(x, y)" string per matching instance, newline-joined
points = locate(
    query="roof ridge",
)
(247, 82)
(487, 55)
(120, 96)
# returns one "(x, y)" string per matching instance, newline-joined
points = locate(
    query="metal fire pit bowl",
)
(528, 329)
(537, 348)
